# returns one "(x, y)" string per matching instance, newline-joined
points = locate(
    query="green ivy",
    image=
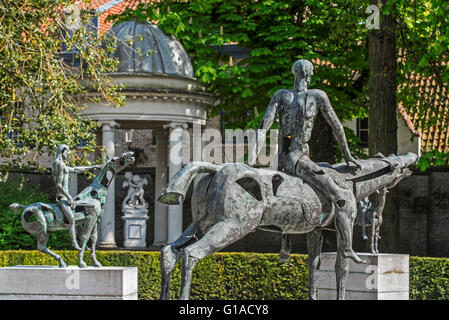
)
(433, 158)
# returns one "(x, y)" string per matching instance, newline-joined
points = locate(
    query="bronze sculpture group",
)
(301, 197)
(231, 200)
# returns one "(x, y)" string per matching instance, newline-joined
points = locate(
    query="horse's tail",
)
(27, 213)
(180, 182)
(16, 207)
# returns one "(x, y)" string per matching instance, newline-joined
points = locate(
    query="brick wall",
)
(424, 214)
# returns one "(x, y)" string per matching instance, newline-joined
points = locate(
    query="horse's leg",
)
(376, 240)
(377, 235)
(170, 255)
(314, 244)
(79, 231)
(286, 247)
(363, 213)
(88, 226)
(42, 247)
(219, 236)
(341, 267)
(93, 243)
(379, 210)
(373, 234)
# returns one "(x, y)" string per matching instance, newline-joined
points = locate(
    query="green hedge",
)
(219, 276)
(238, 275)
(429, 278)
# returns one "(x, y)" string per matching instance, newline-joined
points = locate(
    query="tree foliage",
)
(39, 88)
(276, 34)
(423, 75)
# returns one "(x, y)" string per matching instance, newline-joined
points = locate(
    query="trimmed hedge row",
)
(232, 276)
(429, 278)
(219, 276)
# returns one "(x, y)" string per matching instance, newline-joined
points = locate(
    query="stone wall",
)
(424, 215)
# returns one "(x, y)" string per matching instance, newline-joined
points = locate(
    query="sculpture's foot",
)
(82, 264)
(349, 253)
(62, 263)
(365, 238)
(76, 246)
(97, 264)
(284, 256)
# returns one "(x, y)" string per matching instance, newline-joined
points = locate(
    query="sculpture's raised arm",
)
(81, 169)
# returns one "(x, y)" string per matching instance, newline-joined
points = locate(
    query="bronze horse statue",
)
(40, 219)
(231, 200)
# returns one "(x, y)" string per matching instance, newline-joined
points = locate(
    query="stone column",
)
(160, 210)
(197, 144)
(174, 165)
(107, 224)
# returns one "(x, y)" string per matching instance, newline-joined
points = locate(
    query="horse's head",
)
(403, 165)
(115, 164)
(121, 162)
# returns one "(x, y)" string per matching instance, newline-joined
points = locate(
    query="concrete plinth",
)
(384, 277)
(72, 283)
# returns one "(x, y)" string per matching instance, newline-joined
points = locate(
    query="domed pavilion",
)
(162, 95)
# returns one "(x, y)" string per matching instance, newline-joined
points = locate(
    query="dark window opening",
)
(362, 131)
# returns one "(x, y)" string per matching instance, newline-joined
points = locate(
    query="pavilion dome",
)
(143, 48)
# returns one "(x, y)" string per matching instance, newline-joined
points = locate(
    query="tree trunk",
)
(382, 114)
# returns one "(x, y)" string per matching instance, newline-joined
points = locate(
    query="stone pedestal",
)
(72, 283)
(384, 277)
(135, 233)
